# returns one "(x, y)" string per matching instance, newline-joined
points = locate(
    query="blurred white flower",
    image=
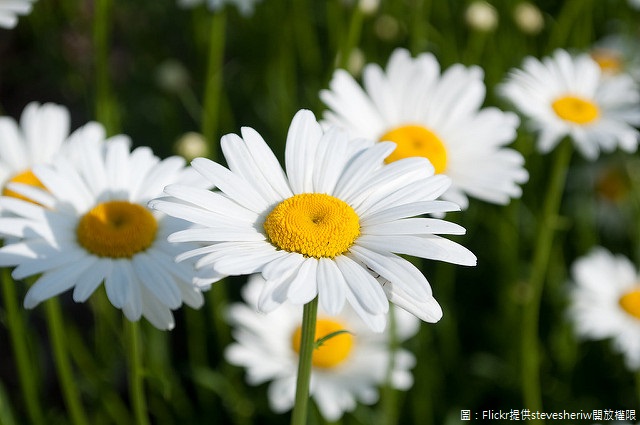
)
(346, 369)
(605, 302)
(528, 17)
(481, 16)
(11, 9)
(244, 6)
(192, 145)
(565, 95)
(433, 115)
(41, 136)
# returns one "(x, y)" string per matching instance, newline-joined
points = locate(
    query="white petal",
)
(304, 286)
(53, 283)
(331, 287)
(302, 143)
(366, 291)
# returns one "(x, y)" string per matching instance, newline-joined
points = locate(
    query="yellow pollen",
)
(576, 109)
(609, 61)
(630, 302)
(313, 224)
(117, 229)
(25, 177)
(333, 351)
(415, 140)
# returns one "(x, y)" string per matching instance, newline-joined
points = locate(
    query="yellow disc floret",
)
(630, 302)
(415, 140)
(313, 224)
(25, 177)
(576, 109)
(331, 352)
(117, 229)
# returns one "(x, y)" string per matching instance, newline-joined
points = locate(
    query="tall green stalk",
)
(21, 353)
(300, 409)
(530, 348)
(389, 394)
(213, 81)
(106, 111)
(353, 36)
(60, 346)
(136, 373)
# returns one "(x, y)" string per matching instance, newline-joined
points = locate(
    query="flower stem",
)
(18, 334)
(353, 35)
(390, 394)
(542, 252)
(213, 81)
(62, 362)
(299, 416)
(136, 374)
(106, 111)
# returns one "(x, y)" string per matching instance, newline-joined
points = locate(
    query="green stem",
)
(62, 362)
(353, 35)
(18, 335)
(213, 81)
(390, 394)
(106, 112)
(542, 250)
(136, 374)
(299, 415)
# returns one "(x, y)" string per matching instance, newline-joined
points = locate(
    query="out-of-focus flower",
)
(387, 27)
(346, 369)
(11, 9)
(172, 76)
(369, 7)
(566, 95)
(192, 145)
(618, 54)
(436, 116)
(244, 6)
(605, 302)
(328, 228)
(43, 135)
(91, 225)
(528, 18)
(481, 16)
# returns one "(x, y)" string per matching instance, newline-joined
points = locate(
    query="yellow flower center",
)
(25, 177)
(415, 140)
(609, 61)
(333, 351)
(630, 302)
(576, 109)
(117, 229)
(313, 224)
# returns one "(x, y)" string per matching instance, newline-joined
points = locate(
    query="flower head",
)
(605, 302)
(10, 9)
(433, 116)
(41, 137)
(346, 368)
(244, 6)
(566, 95)
(90, 224)
(328, 228)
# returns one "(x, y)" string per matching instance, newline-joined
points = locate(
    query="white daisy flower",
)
(346, 369)
(605, 302)
(10, 9)
(326, 228)
(91, 225)
(563, 95)
(43, 135)
(617, 54)
(436, 116)
(245, 7)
